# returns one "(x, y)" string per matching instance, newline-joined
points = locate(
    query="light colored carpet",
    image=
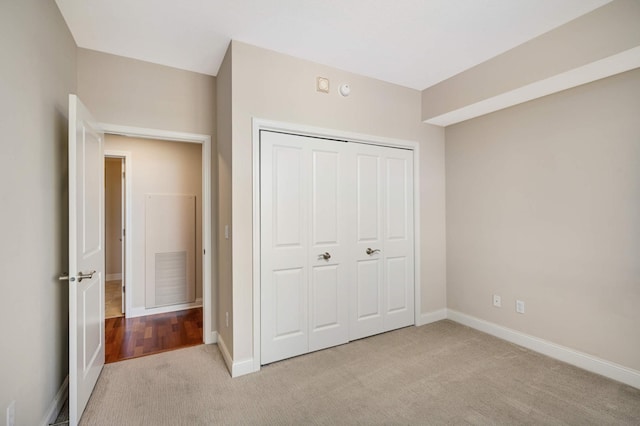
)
(442, 373)
(113, 299)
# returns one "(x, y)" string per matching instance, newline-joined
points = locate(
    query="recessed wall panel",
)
(325, 193)
(324, 302)
(287, 196)
(290, 304)
(368, 193)
(368, 288)
(396, 284)
(397, 199)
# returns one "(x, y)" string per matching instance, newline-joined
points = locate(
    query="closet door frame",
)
(302, 130)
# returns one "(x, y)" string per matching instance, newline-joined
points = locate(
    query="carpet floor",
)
(441, 373)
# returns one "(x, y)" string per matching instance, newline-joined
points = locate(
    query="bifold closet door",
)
(382, 294)
(304, 275)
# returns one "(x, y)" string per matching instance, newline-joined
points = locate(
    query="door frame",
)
(209, 295)
(259, 124)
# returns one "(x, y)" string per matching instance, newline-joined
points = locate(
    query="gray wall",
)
(37, 74)
(543, 204)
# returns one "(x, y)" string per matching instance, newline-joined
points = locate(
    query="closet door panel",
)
(284, 268)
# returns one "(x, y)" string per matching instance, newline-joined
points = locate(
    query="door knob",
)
(325, 255)
(82, 276)
(65, 277)
(370, 251)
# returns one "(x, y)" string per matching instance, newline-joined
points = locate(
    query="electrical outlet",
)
(497, 301)
(520, 306)
(11, 414)
(227, 318)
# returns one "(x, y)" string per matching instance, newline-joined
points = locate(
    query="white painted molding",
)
(225, 354)
(579, 359)
(429, 317)
(241, 368)
(213, 338)
(113, 277)
(615, 64)
(56, 405)
(140, 311)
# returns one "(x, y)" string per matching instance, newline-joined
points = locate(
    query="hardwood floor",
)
(134, 337)
(113, 299)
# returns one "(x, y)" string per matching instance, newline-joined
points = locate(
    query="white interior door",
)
(383, 290)
(86, 256)
(304, 272)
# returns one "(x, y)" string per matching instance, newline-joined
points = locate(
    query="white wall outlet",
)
(226, 232)
(227, 318)
(497, 301)
(11, 414)
(520, 306)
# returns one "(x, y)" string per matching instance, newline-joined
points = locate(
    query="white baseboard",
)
(140, 311)
(240, 368)
(237, 368)
(56, 405)
(113, 277)
(213, 338)
(570, 356)
(430, 317)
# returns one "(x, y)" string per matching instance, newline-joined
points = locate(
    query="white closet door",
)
(383, 289)
(304, 276)
(398, 234)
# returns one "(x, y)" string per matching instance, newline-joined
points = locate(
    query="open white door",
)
(86, 257)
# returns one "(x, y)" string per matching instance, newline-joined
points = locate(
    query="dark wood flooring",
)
(134, 337)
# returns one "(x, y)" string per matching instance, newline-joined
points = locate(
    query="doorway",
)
(162, 239)
(114, 213)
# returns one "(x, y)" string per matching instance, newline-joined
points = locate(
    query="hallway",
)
(127, 338)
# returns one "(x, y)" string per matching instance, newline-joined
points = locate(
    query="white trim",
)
(225, 354)
(299, 129)
(213, 337)
(429, 317)
(112, 277)
(615, 64)
(238, 368)
(141, 311)
(579, 359)
(241, 368)
(208, 233)
(56, 405)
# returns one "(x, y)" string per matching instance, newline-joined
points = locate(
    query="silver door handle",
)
(82, 276)
(65, 277)
(325, 255)
(370, 251)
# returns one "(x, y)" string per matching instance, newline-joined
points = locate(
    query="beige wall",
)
(160, 167)
(37, 74)
(604, 32)
(273, 86)
(113, 215)
(224, 120)
(543, 204)
(129, 92)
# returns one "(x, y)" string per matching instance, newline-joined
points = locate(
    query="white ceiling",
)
(413, 43)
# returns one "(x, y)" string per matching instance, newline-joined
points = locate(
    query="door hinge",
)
(124, 289)
(124, 232)
(123, 174)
